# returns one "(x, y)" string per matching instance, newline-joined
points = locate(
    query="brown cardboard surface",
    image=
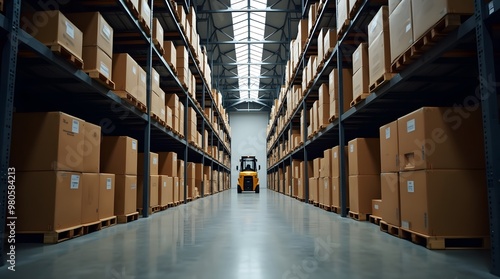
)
(389, 142)
(377, 207)
(125, 74)
(165, 190)
(431, 201)
(391, 212)
(58, 30)
(362, 190)
(153, 163)
(125, 194)
(313, 189)
(426, 13)
(119, 155)
(141, 85)
(96, 31)
(342, 12)
(335, 188)
(90, 197)
(360, 58)
(379, 54)
(170, 53)
(180, 168)
(56, 197)
(316, 168)
(327, 191)
(47, 141)
(330, 40)
(335, 161)
(182, 58)
(364, 156)
(153, 190)
(106, 195)
(92, 147)
(158, 32)
(326, 163)
(392, 5)
(145, 12)
(441, 138)
(378, 25)
(401, 29)
(167, 164)
(333, 88)
(176, 189)
(360, 82)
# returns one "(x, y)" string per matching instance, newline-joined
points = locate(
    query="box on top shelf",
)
(91, 147)
(342, 13)
(311, 19)
(170, 54)
(96, 31)
(90, 197)
(157, 34)
(58, 31)
(119, 155)
(379, 56)
(400, 29)
(431, 200)
(47, 141)
(393, 4)
(106, 195)
(48, 200)
(364, 156)
(389, 142)
(378, 25)
(441, 138)
(145, 14)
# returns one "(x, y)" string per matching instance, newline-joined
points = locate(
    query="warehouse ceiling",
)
(248, 44)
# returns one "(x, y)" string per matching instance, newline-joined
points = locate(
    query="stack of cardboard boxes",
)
(167, 167)
(334, 91)
(360, 70)
(154, 181)
(379, 48)
(129, 78)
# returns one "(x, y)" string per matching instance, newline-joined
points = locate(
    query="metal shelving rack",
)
(445, 75)
(74, 92)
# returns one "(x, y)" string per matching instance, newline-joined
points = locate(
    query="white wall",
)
(248, 137)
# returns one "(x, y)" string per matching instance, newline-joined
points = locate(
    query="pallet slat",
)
(446, 242)
(127, 218)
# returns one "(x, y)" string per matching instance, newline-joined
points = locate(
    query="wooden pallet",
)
(311, 202)
(132, 100)
(333, 118)
(151, 210)
(51, 237)
(158, 46)
(326, 207)
(134, 10)
(122, 219)
(359, 99)
(390, 229)
(66, 54)
(159, 120)
(144, 25)
(385, 78)
(428, 40)
(316, 204)
(108, 222)
(91, 227)
(375, 220)
(359, 216)
(341, 31)
(446, 242)
(102, 79)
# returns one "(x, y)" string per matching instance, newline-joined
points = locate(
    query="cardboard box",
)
(167, 164)
(360, 83)
(48, 201)
(145, 13)
(393, 4)
(182, 190)
(141, 85)
(389, 142)
(401, 29)
(326, 163)
(119, 155)
(391, 212)
(155, 82)
(176, 190)
(364, 156)
(157, 33)
(378, 25)
(126, 75)
(168, 117)
(335, 188)
(58, 30)
(329, 42)
(379, 54)
(426, 13)
(170, 54)
(182, 59)
(165, 190)
(377, 208)
(153, 163)
(335, 161)
(360, 58)
(180, 168)
(96, 31)
(106, 195)
(334, 92)
(47, 141)
(323, 115)
(313, 189)
(91, 147)
(431, 201)
(441, 138)
(95, 59)
(362, 190)
(153, 190)
(316, 168)
(342, 13)
(326, 189)
(125, 194)
(90, 197)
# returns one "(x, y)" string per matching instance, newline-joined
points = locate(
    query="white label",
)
(106, 32)
(376, 206)
(408, 27)
(356, 56)
(104, 69)
(155, 161)
(405, 225)
(335, 155)
(143, 77)
(373, 26)
(177, 184)
(134, 145)
(491, 7)
(133, 186)
(70, 30)
(108, 183)
(164, 184)
(157, 77)
(75, 181)
(134, 70)
(410, 126)
(75, 127)
(162, 112)
(388, 133)
(351, 148)
(411, 186)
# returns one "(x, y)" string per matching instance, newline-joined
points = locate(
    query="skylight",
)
(248, 27)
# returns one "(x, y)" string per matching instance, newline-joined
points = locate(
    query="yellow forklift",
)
(248, 179)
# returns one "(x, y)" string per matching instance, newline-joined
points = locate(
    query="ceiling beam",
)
(231, 10)
(248, 42)
(262, 77)
(252, 63)
(247, 101)
(246, 90)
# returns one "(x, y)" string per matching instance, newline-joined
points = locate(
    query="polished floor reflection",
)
(248, 235)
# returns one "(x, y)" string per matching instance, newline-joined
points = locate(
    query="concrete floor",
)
(255, 236)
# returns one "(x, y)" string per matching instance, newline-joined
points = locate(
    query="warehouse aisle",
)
(243, 236)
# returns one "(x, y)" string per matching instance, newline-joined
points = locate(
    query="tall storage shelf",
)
(444, 75)
(36, 79)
